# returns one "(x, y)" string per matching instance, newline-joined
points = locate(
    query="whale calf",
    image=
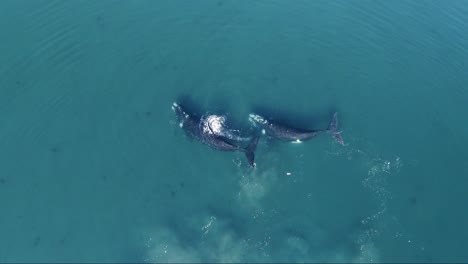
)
(208, 132)
(286, 133)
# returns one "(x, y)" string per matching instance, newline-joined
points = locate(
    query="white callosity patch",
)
(176, 108)
(210, 125)
(257, 119)
(216, 125)
(213, 124)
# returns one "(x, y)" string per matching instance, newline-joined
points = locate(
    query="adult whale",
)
(216, 125)
(287, 133)
(203, 132)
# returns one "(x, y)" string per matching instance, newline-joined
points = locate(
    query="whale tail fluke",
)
(333, 130)
(250, 151)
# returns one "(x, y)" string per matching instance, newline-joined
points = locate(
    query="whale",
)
(204, 130)
(283, 132)
(216, 125)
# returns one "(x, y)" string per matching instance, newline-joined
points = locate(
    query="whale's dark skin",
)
(192, 125)
(286, 133)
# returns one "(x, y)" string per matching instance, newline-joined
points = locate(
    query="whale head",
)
(257, 119)
(180, 113)
(175, 107)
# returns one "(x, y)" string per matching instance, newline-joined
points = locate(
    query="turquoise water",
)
(95, 168)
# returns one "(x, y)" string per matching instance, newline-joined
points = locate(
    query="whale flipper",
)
(333, 130)
(250, 151)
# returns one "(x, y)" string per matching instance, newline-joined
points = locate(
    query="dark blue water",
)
(94, 167)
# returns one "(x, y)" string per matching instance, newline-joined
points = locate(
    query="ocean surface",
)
(95, 168)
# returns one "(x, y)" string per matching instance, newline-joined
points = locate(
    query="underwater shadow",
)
(302, 120)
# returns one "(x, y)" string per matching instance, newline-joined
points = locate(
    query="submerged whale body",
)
(211, 131)
(286, 133)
